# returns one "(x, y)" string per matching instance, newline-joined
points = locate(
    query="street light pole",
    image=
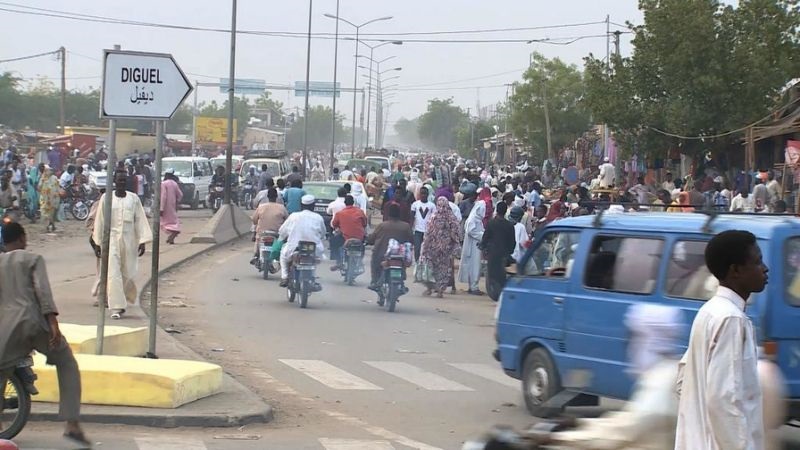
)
(355, 97)
(231, 83)
(335, 91)
(308, 88)
(369, 95)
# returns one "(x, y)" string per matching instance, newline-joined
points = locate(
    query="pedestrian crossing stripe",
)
(426, 380)
(169, 443)
(330, 375)
(492, 373)
(354, 444)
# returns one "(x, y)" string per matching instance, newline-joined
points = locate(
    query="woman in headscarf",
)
(442, 238)
(485, 194)
(470, 270)
(49, 199)
(32, 190)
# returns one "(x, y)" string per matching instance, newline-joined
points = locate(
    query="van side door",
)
(782, 320)
(532, 303)
(619, 269)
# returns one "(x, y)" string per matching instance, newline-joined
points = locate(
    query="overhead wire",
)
(20, 58)
(29, 10)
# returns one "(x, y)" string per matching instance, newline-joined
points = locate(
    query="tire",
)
(349, 278)
(391, 297)
(304, 292)
(540, 382)
(79, 210)
(9, 429)
(248, 201)
(195, 201)
(290, 293)
(265, 269)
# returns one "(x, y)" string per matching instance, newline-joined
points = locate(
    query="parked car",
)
(561, 317)
(276, 162)
(324, 192)
(194, 173)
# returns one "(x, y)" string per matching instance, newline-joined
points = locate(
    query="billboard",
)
(318, 89)
(214, 129)
(243, 86)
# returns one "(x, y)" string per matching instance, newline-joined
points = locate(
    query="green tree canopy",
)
(698, 68)
(407, 131)
(320, 122)
(439, 125)
(559, 86)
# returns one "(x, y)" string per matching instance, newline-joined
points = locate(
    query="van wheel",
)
(540, 382)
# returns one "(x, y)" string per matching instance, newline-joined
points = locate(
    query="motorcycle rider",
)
(304, 225)
(252, 179)
(392, 228)
(29, 323)
(350, 223)
(268, 217)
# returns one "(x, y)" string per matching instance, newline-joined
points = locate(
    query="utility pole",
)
(550, 155)
(308, 89)
(616, 42)
(63, 101)
(231, 90)
(335, 91)
(608, 72)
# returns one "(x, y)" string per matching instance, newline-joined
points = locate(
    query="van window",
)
(791, 270)
(687, 274)
(624, 264)
(554, 255)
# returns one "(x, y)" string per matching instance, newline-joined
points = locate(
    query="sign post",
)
(137, 85)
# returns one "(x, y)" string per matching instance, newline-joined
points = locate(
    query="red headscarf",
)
(486, 195)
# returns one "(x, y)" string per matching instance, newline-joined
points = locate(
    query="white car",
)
(194, 173)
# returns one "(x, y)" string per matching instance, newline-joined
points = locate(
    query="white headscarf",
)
(654, 330)
(475, 219)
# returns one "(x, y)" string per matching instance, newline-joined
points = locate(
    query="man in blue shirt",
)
(292, 196)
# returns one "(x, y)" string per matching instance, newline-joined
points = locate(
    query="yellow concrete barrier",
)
(126, 381)
(118, 341)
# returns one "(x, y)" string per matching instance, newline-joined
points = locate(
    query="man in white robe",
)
(129, 234)
(720, 405)
(470, 270)
(304, 225)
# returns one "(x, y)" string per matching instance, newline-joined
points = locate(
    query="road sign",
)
(213, 129)
(318, 89)
(243, 86)
(139, 85)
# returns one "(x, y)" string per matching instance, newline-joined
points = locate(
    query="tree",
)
(698, 69)
(320, 120)
(439, 125)
(559, 87)
(407, 131)
(241, 112)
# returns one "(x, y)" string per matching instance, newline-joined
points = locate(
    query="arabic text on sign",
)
(141, 75)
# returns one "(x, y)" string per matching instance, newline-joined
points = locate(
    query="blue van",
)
(563, 313)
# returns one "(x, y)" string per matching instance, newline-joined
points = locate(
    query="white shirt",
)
(668, 186)
(422, 212)
(744, 204)
(303, 226)
(521, 236)
(720, 406)
(456, 210)
(335, 206)
(607, 175)
(66, 180)
(345, 175)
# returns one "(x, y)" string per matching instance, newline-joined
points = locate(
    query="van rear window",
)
(687, 274)
(791, 270)
(623, 264)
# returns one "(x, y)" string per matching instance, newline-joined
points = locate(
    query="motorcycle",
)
(302, 266)
(216, 192)
(248, 193)
(16, 388)
(537, 437)
(393, 284)
(264, 261)
(351, 264)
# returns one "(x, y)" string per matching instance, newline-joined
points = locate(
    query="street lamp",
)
(355, 75)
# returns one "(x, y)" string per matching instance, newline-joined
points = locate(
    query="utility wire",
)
(324, 36)
(38, 55)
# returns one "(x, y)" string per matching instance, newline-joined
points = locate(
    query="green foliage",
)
(407, 131)
(698, 68)
(439, 125)
(319, 129)
(561, 87)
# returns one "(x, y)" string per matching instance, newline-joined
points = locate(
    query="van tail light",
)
(770, 349)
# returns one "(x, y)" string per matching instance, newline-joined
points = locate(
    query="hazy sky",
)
(428, 69)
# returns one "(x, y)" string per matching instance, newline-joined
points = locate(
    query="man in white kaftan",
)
(305, 225)
(720, 405)
(130, 231)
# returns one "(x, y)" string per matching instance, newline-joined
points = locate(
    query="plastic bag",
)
(406, 250)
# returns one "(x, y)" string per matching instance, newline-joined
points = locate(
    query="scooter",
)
(264, 261)
(16, 388)
(215, 194)
(351, 264)
(302, 268)
(393, 284)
